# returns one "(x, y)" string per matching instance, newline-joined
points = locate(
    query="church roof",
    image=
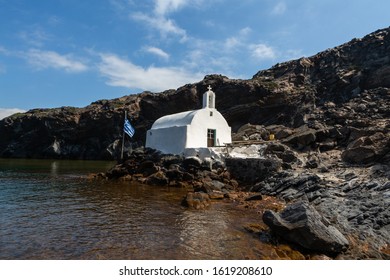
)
(186, 118)
(179, 119)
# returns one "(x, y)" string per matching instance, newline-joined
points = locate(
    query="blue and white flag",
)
(128, 128)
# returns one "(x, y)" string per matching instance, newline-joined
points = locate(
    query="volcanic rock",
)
(367, 149)
(302, 224)
(347, 85)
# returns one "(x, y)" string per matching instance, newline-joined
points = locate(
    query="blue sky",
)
(57, 53)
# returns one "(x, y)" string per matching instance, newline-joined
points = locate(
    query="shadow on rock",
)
(300, 223)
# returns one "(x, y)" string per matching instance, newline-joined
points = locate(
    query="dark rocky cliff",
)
(347, 86)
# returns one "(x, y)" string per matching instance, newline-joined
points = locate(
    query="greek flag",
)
(128, 128)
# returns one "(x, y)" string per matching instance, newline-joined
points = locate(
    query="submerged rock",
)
(302, 224)
(196, 200)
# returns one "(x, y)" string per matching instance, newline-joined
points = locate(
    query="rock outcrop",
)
(205, 179)
(302, 224)
(368, 149)
(345, 86)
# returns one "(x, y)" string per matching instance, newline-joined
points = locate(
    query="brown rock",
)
(303, 138)
(147, 168)
(216, 195)
(157, 178)
(197, 200)
(367, 149)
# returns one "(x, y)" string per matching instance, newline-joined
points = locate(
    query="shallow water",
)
(49, 210)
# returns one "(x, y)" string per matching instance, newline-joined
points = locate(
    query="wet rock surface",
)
(151, 167)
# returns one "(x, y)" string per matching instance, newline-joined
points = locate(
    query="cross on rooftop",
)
(209, 88)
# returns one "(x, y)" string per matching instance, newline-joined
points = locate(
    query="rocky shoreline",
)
(330, 160)
(327, 203)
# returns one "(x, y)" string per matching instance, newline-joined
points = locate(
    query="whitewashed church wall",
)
(197, 131)
(168, 140)
(224, 134)
(196, 136)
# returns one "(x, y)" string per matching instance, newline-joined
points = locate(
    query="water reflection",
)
(54, 169)
(201, 231)
(49, 212)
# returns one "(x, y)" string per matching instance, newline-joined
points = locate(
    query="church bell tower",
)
(209, 99)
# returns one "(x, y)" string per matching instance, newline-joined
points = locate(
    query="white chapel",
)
(202, 128)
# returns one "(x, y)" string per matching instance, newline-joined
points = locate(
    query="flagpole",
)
(123, 137)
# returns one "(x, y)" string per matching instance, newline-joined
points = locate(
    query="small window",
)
(211, 137)
(150, 133)
(211, 114)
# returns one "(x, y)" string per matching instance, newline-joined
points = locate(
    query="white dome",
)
(175, 120)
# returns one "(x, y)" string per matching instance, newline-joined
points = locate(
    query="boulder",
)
(196, 200)
(158, 179)
(300, 223)
(147, 168)
(192, 162)
(251, 132)
(251, 170)
(367, 149)
(117, 171)
(302, 138)
(281, 151)
(279, 131)
(174, 173)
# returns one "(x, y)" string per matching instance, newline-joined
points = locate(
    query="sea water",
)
(51, 210)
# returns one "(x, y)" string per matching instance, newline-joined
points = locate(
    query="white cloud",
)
(237, 41)
(262, 51)
(34, 36)
(159, 19)
(50, 59)
(123, 73)
(232, 42)
(245, 31)
(158, 52)
(212, 56)
(5, 112)
(164, 25)
(163, 7)
(279, 9)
